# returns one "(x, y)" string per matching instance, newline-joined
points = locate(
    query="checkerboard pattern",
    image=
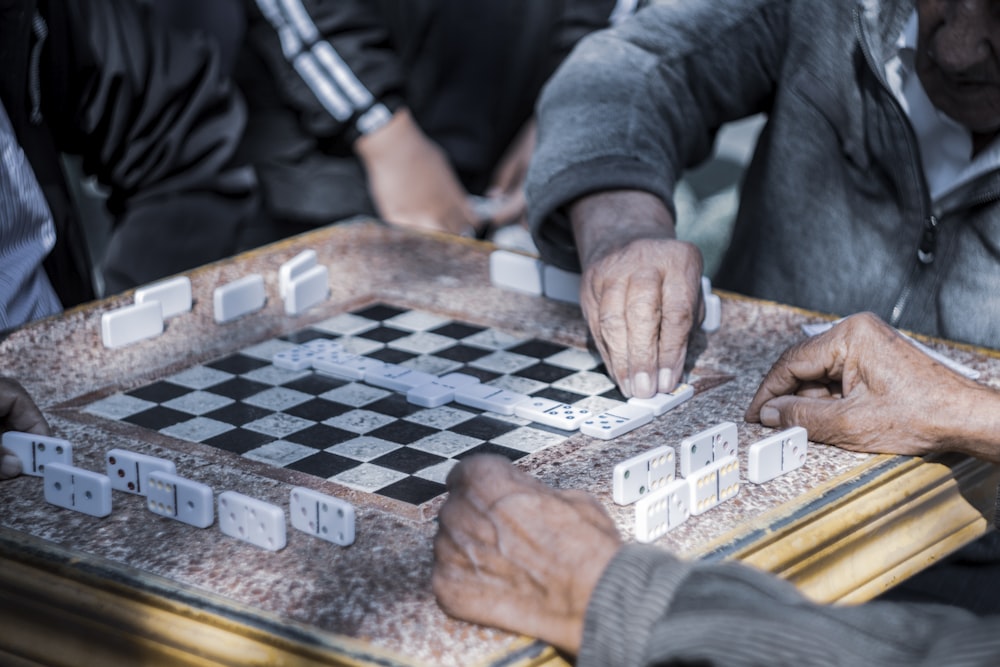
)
(364, 437)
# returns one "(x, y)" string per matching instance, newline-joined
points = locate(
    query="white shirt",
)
(945, 145)
(27, 235)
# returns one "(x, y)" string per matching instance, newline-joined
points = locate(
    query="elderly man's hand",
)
(515, 554)
(641, 288)
(17, 413)
(864, 387)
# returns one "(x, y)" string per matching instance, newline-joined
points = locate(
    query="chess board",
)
(367, 438)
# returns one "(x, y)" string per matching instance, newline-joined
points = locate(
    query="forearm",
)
(607, 221)
(650, 608)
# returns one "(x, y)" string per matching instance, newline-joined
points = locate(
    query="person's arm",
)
(515, 554)
(628, 111)
(18, 412)
(157, 123)
(641, 288)
(864, 387)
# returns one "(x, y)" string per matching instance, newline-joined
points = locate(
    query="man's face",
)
(958, 60)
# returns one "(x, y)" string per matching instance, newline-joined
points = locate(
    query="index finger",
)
(812, 360)
(18, 412)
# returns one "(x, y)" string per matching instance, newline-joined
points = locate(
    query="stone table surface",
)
(376, 592)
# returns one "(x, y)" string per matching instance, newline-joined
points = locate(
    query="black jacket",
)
(152, 119)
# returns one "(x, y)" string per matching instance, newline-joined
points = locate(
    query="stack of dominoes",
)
(170, 495)
(710, 470)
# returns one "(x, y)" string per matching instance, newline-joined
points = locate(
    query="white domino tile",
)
(35, 451)
(661, 511)
(487, 397)
(174, 295)
(441, 391)
(77, 489)
(251, 520)
(238, 298)
(128, 471)
(298, 358)
(515, 271)
(552, 413)
(777, 454)
(180, 498)
(308, 289)
(561, 285)
(616, 421)
(326, 517)
(346, 365)
(397, 378)
(294, 268)
(701, 449)
(713, 484)
(642, 474)
(713, 307)
(660, 404)
(130, 324)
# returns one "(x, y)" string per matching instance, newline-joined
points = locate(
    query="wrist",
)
(607, 221)
(970, 422)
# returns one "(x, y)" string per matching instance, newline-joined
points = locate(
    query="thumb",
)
(822, 418)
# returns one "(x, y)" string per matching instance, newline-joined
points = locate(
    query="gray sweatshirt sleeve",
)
(649, 608)
(634, 105)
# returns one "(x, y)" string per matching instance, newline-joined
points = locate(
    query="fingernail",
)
(665, 380)
(10, 466)
(769, 416)
(643, 385)
(627, 388)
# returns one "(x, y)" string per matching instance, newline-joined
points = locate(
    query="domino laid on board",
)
(251, 520)
(712, 444)
(180, 498)
(617, 421)
(643, 474)
(659, 512)
(777, 454)
(77, 489)
(660, 404)
(326, 517)
(558, 415)
(36, 451)
(713, 484)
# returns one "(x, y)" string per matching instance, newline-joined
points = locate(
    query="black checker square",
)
(413, 490)
(238, 388)
(158, 417)
(537, 348)
(399, 422)
(318, 409)
(239, 441)
(320, 436)
(323, 464)
(159, 392)
(408, 460)
(237, 364)
(402, 432)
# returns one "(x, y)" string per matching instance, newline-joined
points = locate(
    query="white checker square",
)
(355, 394)
(446, 443)
(346, 324)
(362, 346)
(421, 342)
(527, 439)
(437, 472)
(428, 363)
(278, 425)
(200, 377)
(363, 448)
(585, 382)
(198, 429)
(575, 359)
(279, 453)
(503, 361)
(493, 339)
(441, 417)
(359, 421)
(278, 398)
(518, 384)
(118, 406)
(416, 320)
(198, 402)
(368, 477)
(274, 376)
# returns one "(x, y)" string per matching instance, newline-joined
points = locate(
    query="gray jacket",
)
(835, 214)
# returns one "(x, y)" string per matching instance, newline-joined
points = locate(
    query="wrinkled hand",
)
(864, 387)
(17, 413)
(640, 291)
(411, 181)
(515, 554)
(507, 186)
